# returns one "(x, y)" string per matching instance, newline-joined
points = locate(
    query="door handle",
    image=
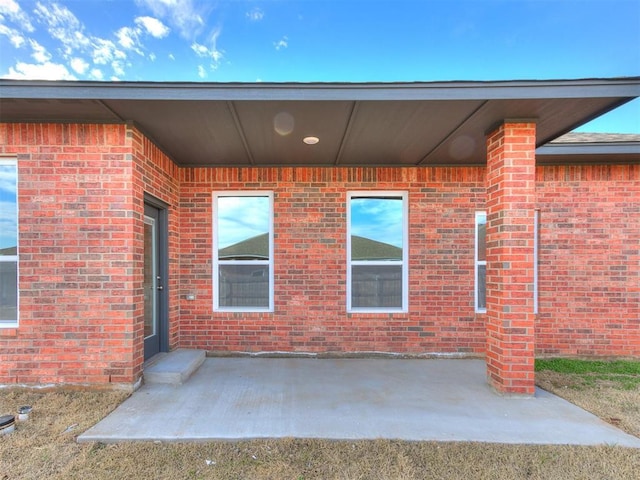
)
(160, 287)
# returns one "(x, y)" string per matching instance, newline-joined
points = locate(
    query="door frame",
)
(163, 268)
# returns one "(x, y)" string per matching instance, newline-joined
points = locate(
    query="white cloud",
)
(79, 65)
(42, 71)
(209, 52)
(255, 14)
(96, 74)
(7, 180)
(79, 49)
(40, 53)
(11, 10)
(282, 43)
(183, 14)
(200, 50)
(127, 37)
(105, 51)
(118, 68)
(172, 56)
(153, 26)
(72, 50)
(201, 71)
(63, 25)
(15, 37)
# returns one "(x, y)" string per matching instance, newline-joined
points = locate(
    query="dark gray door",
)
(154, 289)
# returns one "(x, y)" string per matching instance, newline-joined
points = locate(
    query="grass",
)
(45, 446)
(610, 390)
(624, 373)
(570, 365)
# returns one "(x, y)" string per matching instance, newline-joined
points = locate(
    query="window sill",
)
(242, 310)
(377, 310)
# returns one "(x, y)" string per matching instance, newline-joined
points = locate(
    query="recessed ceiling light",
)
(310, 140)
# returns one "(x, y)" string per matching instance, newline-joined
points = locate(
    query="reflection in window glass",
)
(376, 286)
(243, 285)
(243, 251)
(8, 242)
(9, 209)
(243, 227)
(481, 262)
(377, 275)
(379, 222)
(482, 287)
(8, 291)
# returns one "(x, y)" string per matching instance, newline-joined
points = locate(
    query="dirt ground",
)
(44, 447)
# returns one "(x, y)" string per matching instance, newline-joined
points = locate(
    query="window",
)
(377, 253)
(8, 243)
(481, 262)
(243, 251)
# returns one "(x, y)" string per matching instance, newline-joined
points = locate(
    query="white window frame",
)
(217, 262)
(405, 251)
(478, 263)
(13, 258)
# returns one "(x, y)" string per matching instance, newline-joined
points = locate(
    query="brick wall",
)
(81, 206)
(589, 260)
(75, 224)
(155, 174)
(511, 196)
(310, 263)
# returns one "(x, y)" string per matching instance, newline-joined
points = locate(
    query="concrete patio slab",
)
(444, 400)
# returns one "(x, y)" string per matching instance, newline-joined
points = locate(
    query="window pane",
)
(8, 210)
(482, 286)
(482, 238)
(243, 228)
(149, 280)
(243, 285)
(376, 228)
(8, 291)
(376, 286)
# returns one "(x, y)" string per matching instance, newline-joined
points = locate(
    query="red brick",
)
(81, 209)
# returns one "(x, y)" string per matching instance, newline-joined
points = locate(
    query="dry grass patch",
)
(380, 459)
(610, 390)
(45, 447)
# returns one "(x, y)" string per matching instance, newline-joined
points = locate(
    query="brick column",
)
(510, 257)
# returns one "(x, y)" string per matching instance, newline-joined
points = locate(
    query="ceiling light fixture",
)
(310, 140)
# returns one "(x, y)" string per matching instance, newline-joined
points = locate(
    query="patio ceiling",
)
(390, 124)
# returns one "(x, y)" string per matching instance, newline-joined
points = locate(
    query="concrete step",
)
(174, 367)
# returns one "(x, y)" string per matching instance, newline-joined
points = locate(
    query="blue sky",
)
(8, 210)
(325, 41)
(241, 218)
(378, 219)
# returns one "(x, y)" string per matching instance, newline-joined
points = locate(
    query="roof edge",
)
(627, 87)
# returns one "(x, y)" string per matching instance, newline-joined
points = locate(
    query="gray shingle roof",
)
(579, 137)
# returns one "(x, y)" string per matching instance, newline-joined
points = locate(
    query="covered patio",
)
(234, 398)
(117, 193)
